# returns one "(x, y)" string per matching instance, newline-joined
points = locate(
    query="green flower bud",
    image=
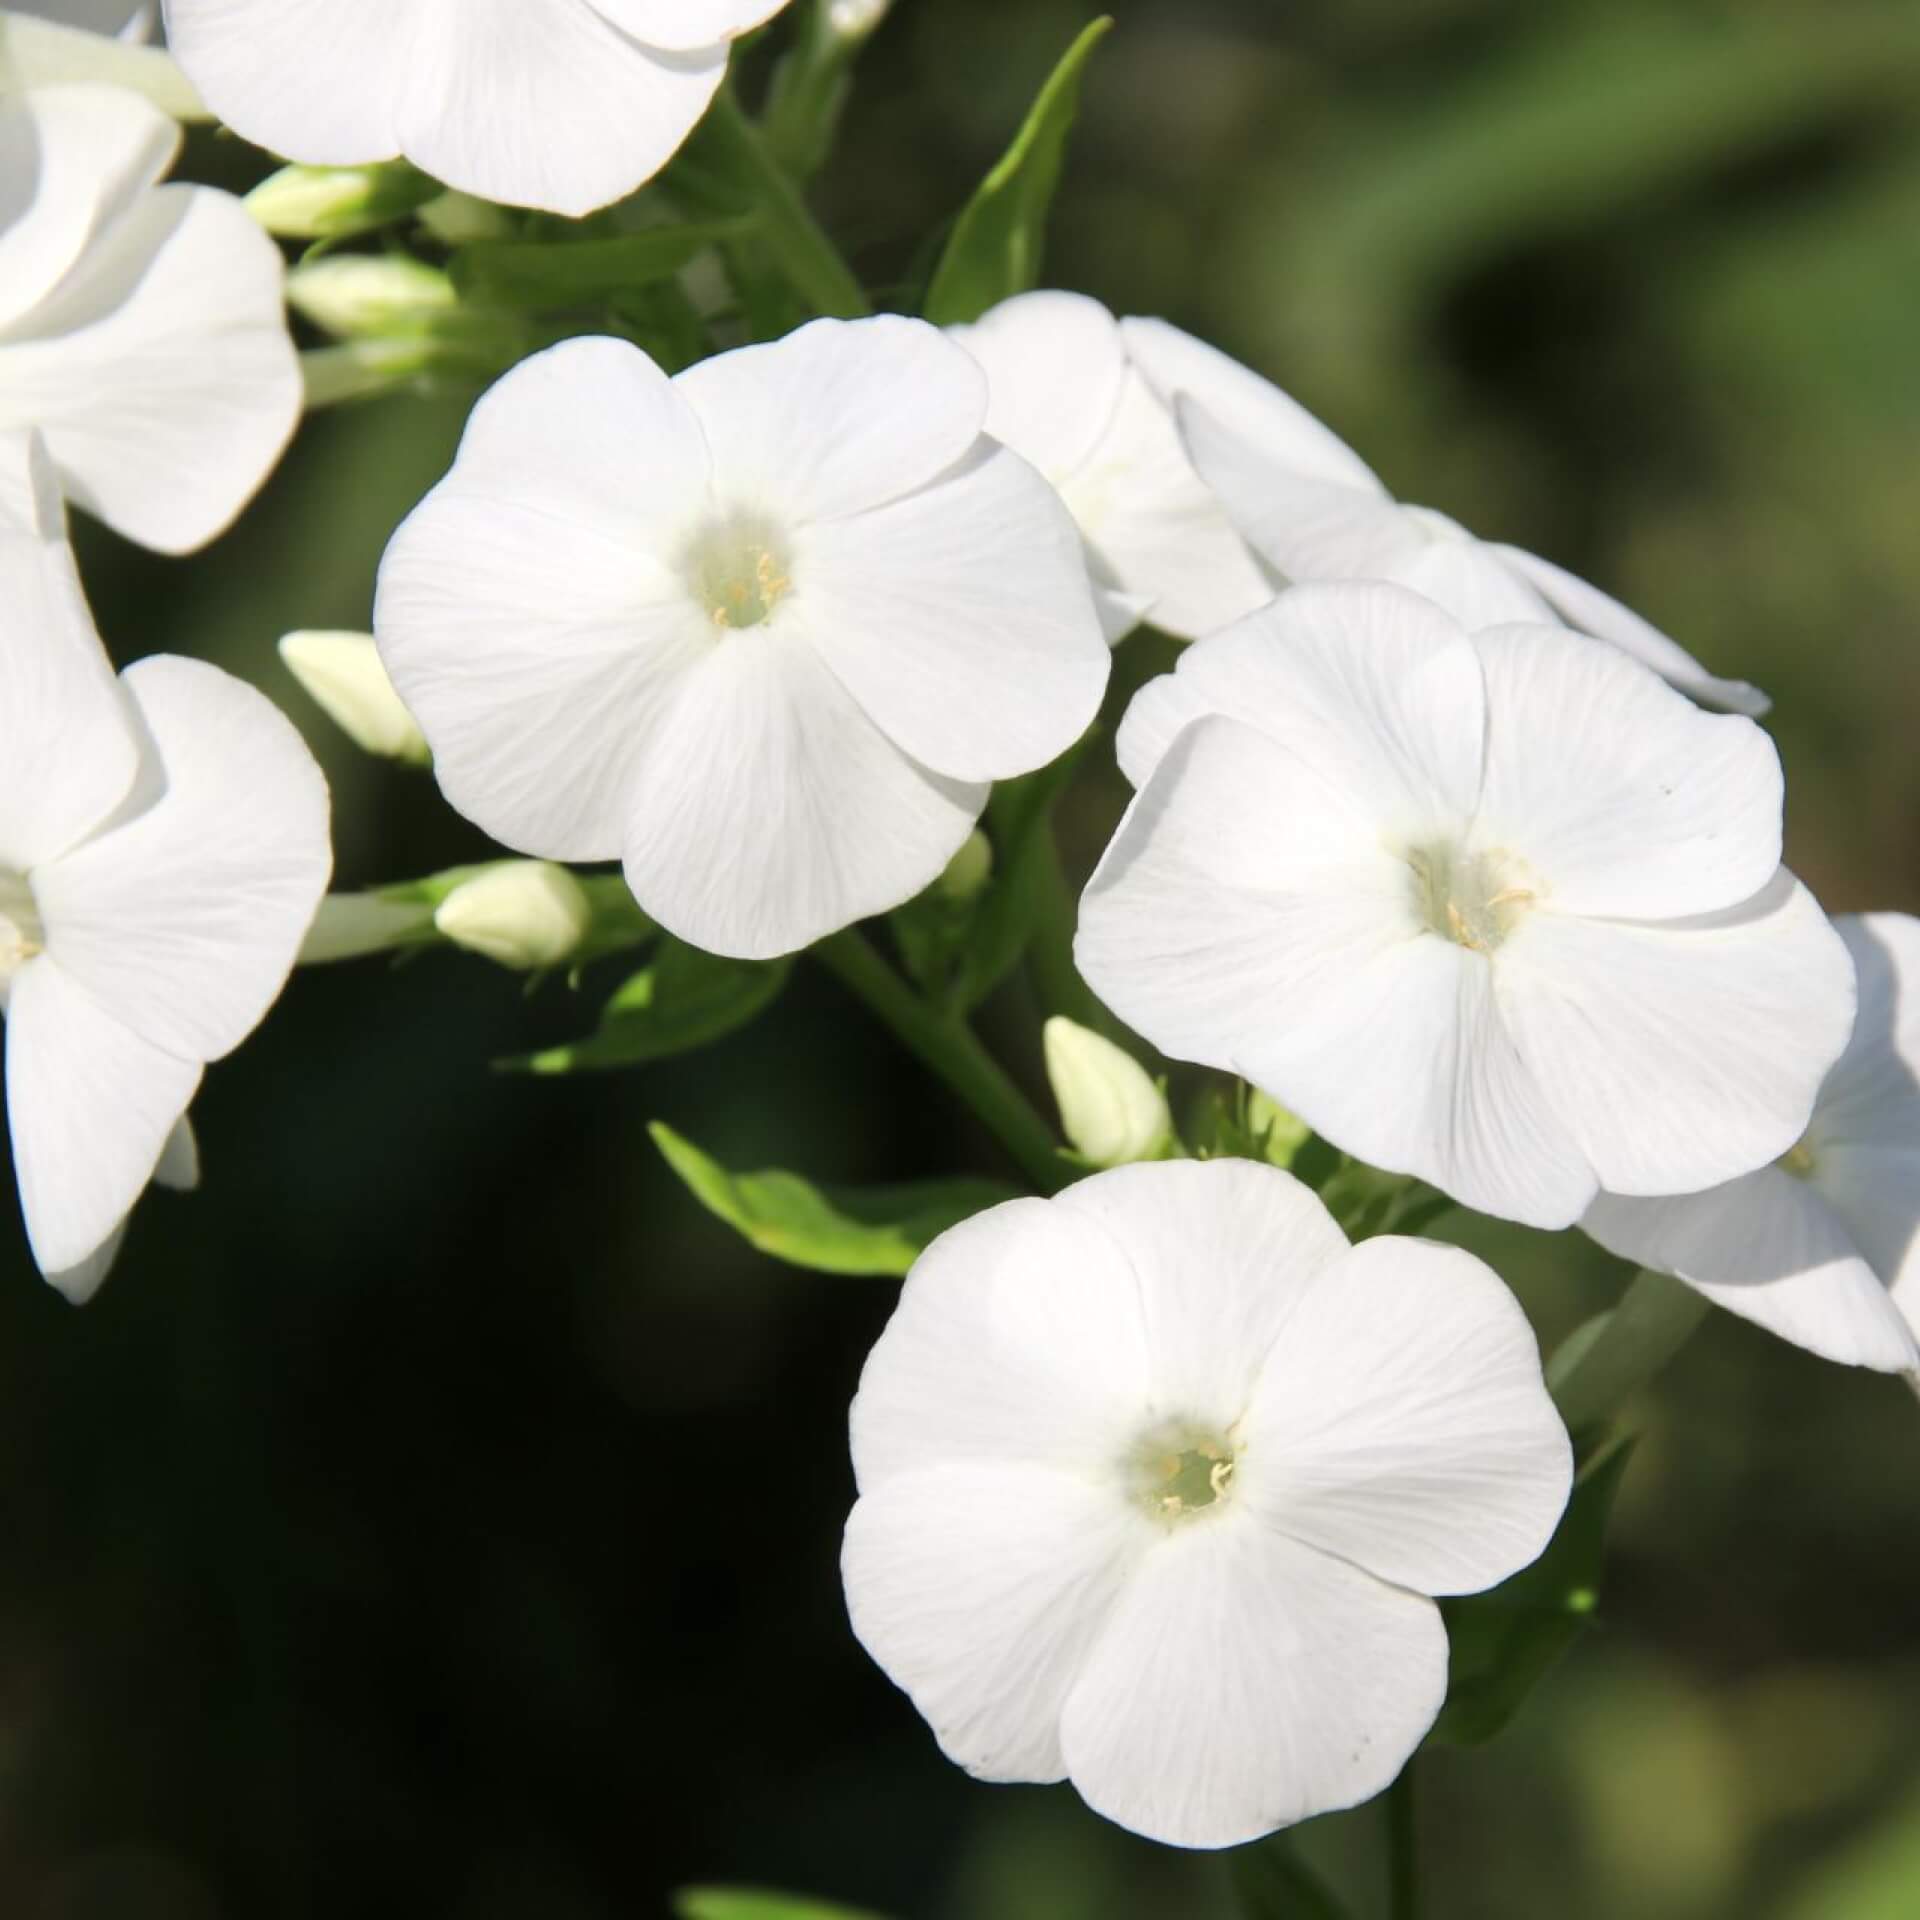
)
(1112, 1109)
(343, 675)
(522, 913)
(360, 296)
(968, 871)
(334, 203)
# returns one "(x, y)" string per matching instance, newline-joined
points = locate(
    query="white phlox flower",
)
(1156, 1479)
(765, 631)
(1500, 910)
(1314, 510)
(565, 105)
(1823, 1246)
(141, 326)
(104, 44)
(1066, 396)
(163, 845)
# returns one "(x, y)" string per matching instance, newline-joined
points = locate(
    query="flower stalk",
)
(1604, 1363)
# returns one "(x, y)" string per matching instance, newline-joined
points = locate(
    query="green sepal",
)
(995, 249)
(1505, 1642)
(1367, 1202)
(684, 999)
(749, 1903)
(1272, 1882)
(530, 275)
(847, 1230)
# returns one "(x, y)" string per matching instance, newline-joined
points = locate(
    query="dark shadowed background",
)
(439, 1515)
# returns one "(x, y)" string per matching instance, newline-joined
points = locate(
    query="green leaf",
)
(685, 999)
(1505, 1642)
(747, 1903)
(516, 273)
(997, 242)
(1272, 1882)
(851, 1230)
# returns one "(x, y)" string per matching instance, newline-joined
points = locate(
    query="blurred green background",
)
(438, 1514)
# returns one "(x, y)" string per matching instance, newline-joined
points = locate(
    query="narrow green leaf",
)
(997, 243)
(747, 1903)
(516, 273)
(685, 999)
(1505, 1642)
(1272, 1882)
(850, 1230)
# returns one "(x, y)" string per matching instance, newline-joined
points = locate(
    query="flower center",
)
(1472, 899)
(21, 934)
(738, 570)
(1180, 1469)
(1799, 1160)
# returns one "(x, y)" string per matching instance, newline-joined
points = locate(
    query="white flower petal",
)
(162, 375)
(73, 162)
(1589, 610)
(1684, 1053)
(179, 1168)
(1872, 1096)
(1876, 1192)
(838, 417)
(81, 1282)
(1245, 1682)
(1373, 688)
(1055, 366)
(70, 752)
(1018, 1342)
(184, 919)
(50, 53)
(546, 103)
(1247, 917)
(1770, 1248)
(1617, 792)
(1177, 364)
(959, 618)
(1224, 1252)
(770, 811)
(90, 1104)
(1468, 578)
(1401, 1422)
(319, 81)
(980, 1589)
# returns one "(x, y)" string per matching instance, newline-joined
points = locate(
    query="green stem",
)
(1403, 1848)
(947, 1045)
(1604, 1363)
(1056, 980)
(807, 257)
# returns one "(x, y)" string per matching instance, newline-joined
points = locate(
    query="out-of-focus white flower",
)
(522, 913)
(561, 104)
(766, 631)
(92, 45)
(163, 844)
(1823, 1246)
(343, 675)
(1499, 910)
(1065, 396)
(1313, 510)
(1111, 1108)
(141, 326)
(370, 294)
(1155, 1478)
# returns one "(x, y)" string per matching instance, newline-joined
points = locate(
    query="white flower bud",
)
(331, 203)
(343, 674)
(1111, 1108)
(366, 295)
(968, 871)
(522, 913)
(855, 19)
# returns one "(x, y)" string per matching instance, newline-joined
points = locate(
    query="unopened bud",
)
(1111, 1108)
(522, 913)
(968, 871)
(370, 296)
(345, 678)
(334, 203)
(855, 19)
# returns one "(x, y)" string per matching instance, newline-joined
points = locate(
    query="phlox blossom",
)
(1156, 1480)
(765, 631)
(141, 326)
(163, 846)
(1066, 396)
(1314, 510)
(1501, 910)
(1822, 1246)
(565, 105)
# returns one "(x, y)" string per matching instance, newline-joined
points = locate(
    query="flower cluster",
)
(1437, 851)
